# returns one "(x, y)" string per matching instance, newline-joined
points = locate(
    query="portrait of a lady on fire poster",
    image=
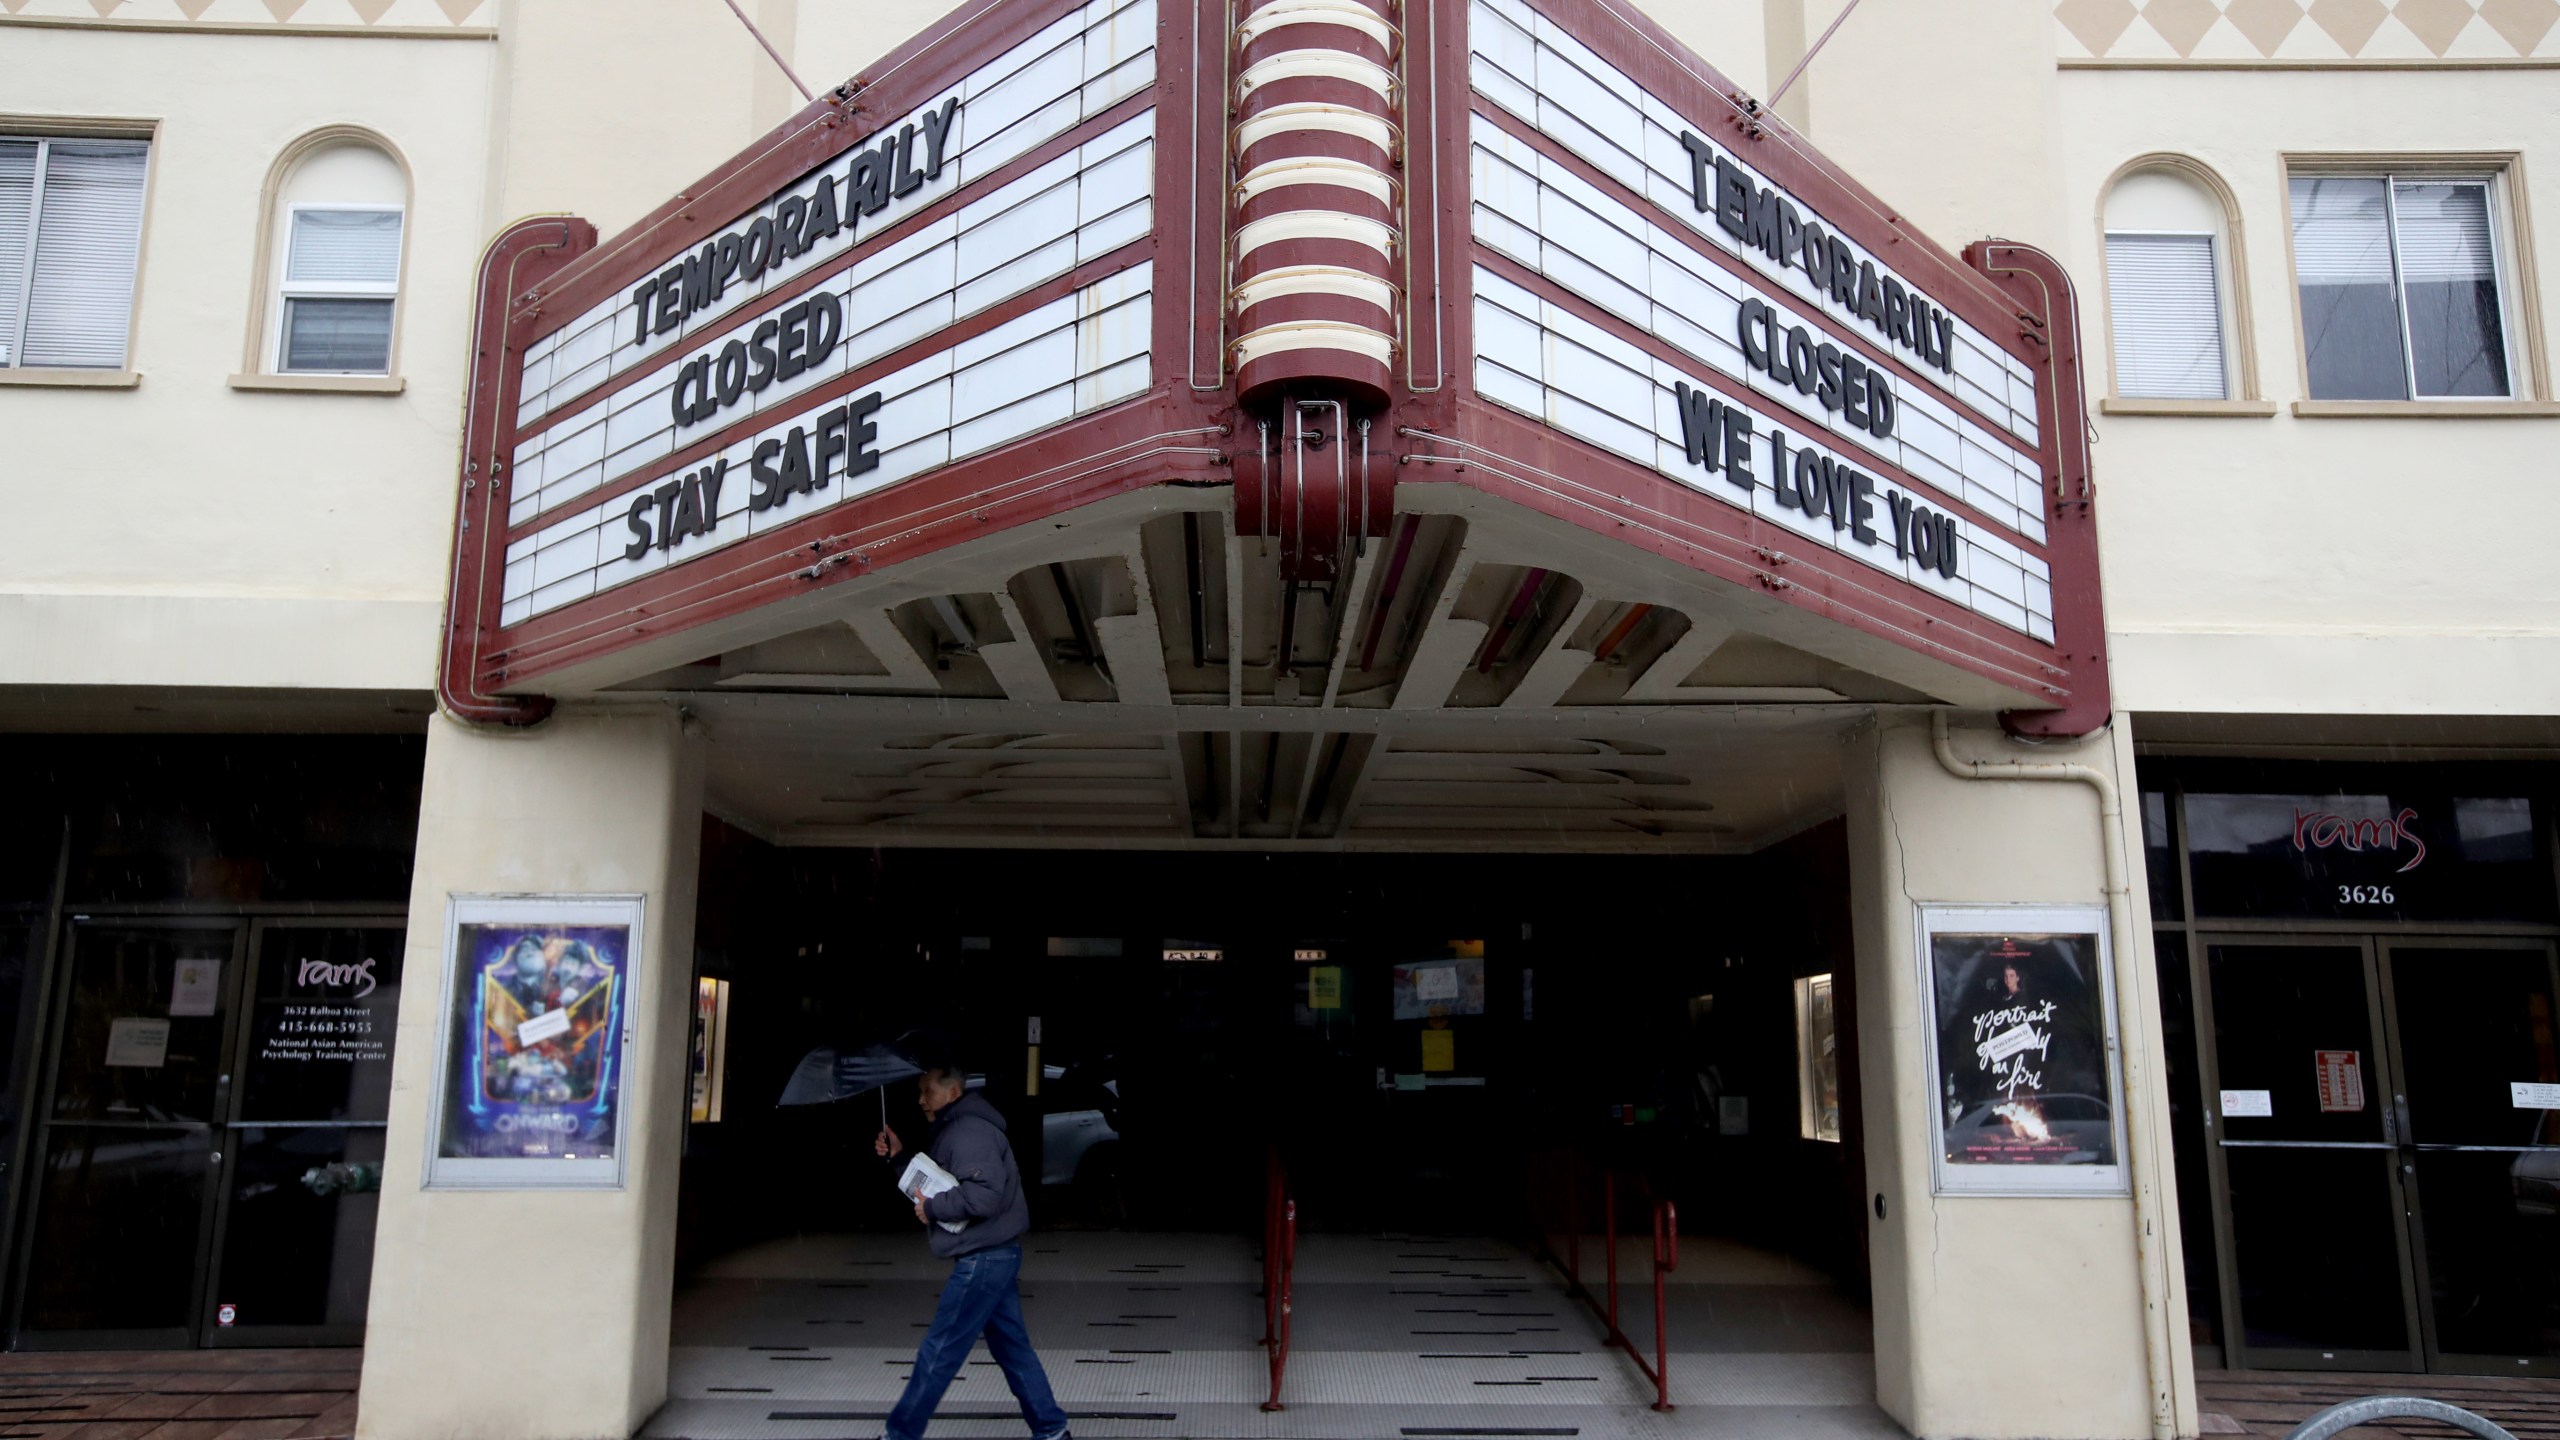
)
(2022, 1072)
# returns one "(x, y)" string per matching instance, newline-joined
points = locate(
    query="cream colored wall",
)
(574, 68)
(607, 108)
(1950, 123)
(185, 532)
(496, 812)
(1994, 1317)
(2299, 565)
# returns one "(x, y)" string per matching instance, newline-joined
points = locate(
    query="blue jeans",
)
(980, 1296)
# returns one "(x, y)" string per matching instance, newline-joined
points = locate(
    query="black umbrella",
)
(827, 1074)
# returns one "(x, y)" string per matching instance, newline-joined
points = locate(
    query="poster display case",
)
(535, 1025)
(2021, 1050)
(1817, 1060)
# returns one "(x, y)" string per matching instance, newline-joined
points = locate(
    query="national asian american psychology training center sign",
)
(1047, 252)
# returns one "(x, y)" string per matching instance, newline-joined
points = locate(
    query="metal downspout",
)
(2140, 1147)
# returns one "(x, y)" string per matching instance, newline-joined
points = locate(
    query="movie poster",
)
(535, 1021)
(2023, 1077)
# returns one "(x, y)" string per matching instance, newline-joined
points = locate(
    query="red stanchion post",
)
(1609, 1235)
(1271, 1193)
(1288, 1251)
(1666, 1258)
(1573, 1223)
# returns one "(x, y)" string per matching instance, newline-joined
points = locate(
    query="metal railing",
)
(1279, 1270)
(1562, 1212)
(2373, 1408)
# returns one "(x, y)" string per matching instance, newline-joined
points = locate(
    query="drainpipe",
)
(2139, 1140)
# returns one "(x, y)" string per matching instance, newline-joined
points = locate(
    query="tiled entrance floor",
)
(2271, 1402)
(179, 1395)
(1157, 1336)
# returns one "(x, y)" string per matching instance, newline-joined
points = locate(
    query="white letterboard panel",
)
(1537, 357)
(1070, 71)
(1085, 350)
(1535, 210)
(1071, 211)
(1529, 66)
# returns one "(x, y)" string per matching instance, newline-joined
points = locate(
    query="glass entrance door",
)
(209, 1149)
(2478, 1099)
(2318, 1274)
(128, 1143)
(292, 1258)
(2386, 1119)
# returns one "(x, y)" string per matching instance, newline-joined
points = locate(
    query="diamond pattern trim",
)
(2290, 31)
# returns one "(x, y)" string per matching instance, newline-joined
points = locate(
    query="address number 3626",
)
(2366, 895)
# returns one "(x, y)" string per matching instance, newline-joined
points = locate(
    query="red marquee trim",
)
(515, 264)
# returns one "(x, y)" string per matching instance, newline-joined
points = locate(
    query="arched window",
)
(2173, 292)
(335, 226)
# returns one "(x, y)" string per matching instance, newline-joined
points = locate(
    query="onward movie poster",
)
(534, 1062)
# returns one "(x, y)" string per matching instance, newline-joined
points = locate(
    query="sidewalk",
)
(179, 1395)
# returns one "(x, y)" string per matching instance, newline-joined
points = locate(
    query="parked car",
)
(1080, 1114)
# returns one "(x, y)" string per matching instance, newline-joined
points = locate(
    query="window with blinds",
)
(70, 236)
(2165, 305)
(341, 281)
(2398, 279)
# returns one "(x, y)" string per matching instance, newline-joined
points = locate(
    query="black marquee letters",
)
(1717, 436)
(683, 507)
(792, 465)
(783, 346)
(665, 516)
(1764, 220)
(884, 170)
(1836, 377)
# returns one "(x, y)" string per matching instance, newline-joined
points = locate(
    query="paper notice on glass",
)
(1439, 1052)
(2530, 1095)
(924, 1179)
(1324, 988)
(2247, 1104)
(550, 1024)
(143, 1044)
(1437, 982)
(197, 988)
(2341, 1081)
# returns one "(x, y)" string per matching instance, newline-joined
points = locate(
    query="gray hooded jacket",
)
(969, 1141)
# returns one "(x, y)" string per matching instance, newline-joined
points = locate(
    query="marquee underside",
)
(1482, 676)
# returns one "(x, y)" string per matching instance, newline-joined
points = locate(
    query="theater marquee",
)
(1048, 253)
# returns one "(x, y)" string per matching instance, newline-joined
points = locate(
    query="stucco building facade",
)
(2233, 724)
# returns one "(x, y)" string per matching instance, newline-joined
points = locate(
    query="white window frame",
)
(12, 357)
(286, 291)
(2492, 183)
(2224, 321)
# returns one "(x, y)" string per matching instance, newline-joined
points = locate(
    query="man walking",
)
(968, 1139)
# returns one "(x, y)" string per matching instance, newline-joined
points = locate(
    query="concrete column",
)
(540, 1315)
(1998, 1317)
